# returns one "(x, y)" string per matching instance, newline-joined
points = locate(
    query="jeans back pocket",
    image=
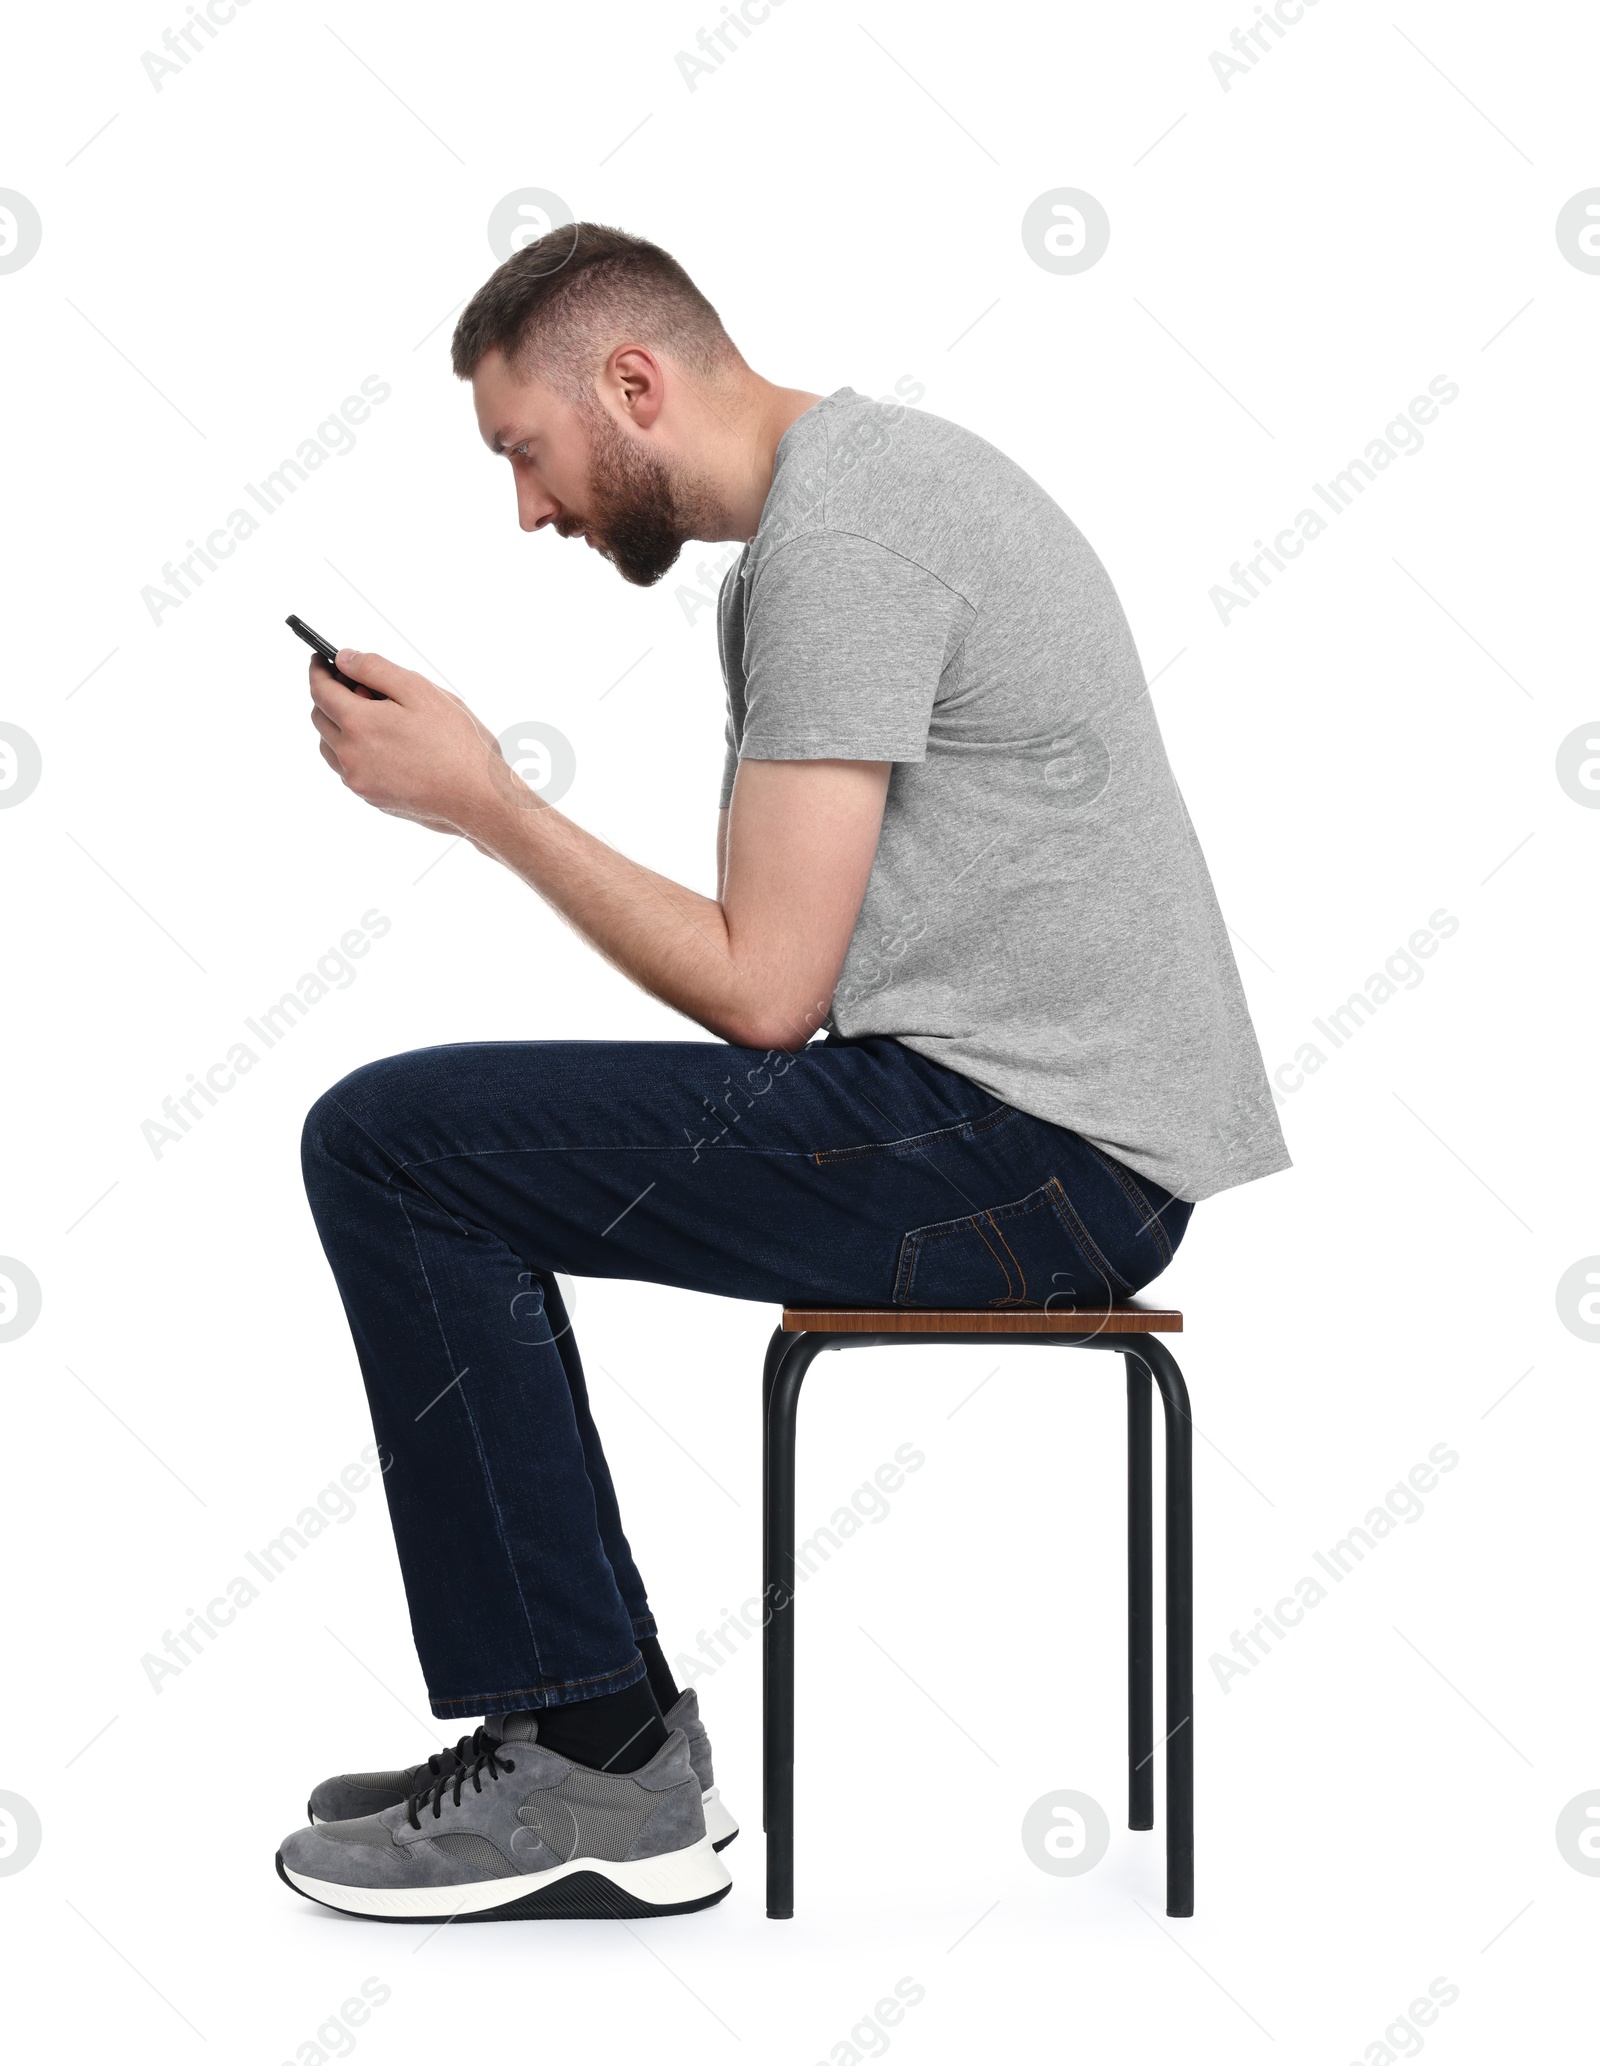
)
(1035, 1252)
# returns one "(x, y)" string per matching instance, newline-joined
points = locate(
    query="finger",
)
(326, 726)
(399, 684)
(332, 698)
(332, 759)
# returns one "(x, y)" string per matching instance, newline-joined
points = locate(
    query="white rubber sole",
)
(720, 1825)
(690, 1878)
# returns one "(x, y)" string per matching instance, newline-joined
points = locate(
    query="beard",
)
(641, 513)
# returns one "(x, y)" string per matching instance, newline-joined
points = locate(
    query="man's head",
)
(596, 366)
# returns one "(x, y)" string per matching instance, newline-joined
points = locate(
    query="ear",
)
(638, 380)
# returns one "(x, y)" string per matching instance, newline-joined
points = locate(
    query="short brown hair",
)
(563, 302)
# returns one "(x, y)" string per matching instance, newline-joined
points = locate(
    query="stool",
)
(1129, 1331)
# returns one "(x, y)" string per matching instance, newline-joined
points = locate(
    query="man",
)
(949, 839)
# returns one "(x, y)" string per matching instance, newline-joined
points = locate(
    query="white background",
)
(1372, 740)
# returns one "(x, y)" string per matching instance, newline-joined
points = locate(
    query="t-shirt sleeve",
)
(844, 645)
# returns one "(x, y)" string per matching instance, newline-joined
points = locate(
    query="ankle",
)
(615, 1732)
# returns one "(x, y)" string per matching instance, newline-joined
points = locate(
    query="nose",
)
(535, 508)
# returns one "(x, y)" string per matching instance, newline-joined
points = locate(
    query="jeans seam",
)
(586, 1148)
(472, 1703)
(1152, 1220)
(1049, 1193)
(962, 1129)
(1086, 1241)
(477, 1439)
(396, 1166)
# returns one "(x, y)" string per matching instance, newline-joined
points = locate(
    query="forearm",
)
(671, 941)
(756, 965)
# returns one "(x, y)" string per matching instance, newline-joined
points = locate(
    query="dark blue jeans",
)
(449, 1185)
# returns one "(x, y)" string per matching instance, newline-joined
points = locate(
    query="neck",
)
(753, 422)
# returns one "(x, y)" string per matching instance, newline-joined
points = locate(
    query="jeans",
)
(450, 1184)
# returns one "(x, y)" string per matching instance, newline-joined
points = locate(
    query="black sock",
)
(661, 1680)
(617, 1732)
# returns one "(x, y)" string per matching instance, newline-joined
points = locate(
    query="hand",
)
(416, 752)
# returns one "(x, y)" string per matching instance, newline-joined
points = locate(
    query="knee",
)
(342, 1127)
(324, 1138)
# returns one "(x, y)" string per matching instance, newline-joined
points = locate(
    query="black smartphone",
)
(327, 655)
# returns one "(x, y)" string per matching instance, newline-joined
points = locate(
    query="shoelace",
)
(466, 1749)
(484, 1759)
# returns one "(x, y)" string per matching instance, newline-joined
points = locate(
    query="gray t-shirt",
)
(1039, 917)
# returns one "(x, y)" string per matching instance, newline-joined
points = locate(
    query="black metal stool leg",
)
(1180, 1624)
(778, 1583)
(775, 1354)
(1141, 1668)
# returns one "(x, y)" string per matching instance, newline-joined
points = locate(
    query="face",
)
(583, 475)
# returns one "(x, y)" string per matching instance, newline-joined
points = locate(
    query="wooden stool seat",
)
(1125, 1319)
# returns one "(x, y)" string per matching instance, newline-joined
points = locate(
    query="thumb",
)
(373, 671)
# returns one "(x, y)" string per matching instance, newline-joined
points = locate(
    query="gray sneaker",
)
(368, 1793)
(684, 1714)
(518, 1833)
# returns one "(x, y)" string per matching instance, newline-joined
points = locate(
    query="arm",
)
(756, 965)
